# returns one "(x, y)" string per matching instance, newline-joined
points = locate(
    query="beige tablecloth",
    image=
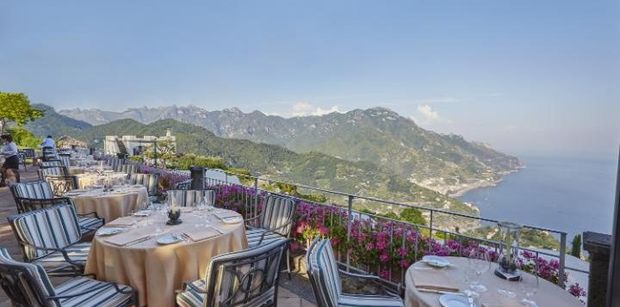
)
(419, 273)
(88, 179)
(156, 271)
(110, 205)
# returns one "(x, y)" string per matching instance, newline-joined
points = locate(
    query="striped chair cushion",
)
(192, 297)
(254, 234)
(77, 252)
(52, 171)
(106, 296)
(327, 272)
(277, 212)
(51, 163)
(183, 185)
(40, 279)
(89, 223)
(346, 300)
(150, 181)
(190, 198)
(126, 168)
(66, 161)
(35, 189)
(53, 227)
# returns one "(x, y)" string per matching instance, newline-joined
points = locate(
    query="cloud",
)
(306, 109)
(442, 99)
(428, 115)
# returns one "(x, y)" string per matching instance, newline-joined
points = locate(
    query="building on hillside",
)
(133, 145)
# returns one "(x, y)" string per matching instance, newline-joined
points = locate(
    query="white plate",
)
(108, 231)
(436, 261)
(169, 239)
(454, 300)
(232, 220)
(143, 213)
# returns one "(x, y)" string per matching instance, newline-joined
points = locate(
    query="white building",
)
(134, 145)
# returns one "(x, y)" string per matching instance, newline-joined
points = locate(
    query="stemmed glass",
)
(480, 263)
(529, 286)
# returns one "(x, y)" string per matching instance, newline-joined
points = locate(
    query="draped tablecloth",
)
(156, 271)
(122, 201)
(548, 294)
(88, 179)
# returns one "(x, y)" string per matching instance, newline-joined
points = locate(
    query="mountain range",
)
(445, 163)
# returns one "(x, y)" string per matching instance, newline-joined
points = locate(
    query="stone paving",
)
(294, 293)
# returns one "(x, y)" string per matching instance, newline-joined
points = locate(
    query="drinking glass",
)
(480, 263)
(529, 285)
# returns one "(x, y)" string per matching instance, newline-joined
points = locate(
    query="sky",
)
(525, 76)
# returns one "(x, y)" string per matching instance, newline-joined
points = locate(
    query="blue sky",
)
(526, 76)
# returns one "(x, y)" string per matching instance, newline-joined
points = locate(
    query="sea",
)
(571, 194)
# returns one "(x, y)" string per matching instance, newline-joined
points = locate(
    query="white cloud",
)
(428, 115)
(306, 109)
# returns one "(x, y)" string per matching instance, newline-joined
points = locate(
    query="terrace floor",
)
(294, 293)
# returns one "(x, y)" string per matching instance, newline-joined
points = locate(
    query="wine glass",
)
(529, 286)
(480, 263)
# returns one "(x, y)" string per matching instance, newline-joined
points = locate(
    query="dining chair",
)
(65, 159)
(190, 198)
(27, 284)
(150, 181)
(51, 237)
(52, 171)
(183, 185)
(126, 168)
(324, 276)
(49, 153)
(36, 195)
(243, 278)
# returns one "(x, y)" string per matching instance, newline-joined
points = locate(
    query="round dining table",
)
(110, 205)
(423, 281)
(137, 257)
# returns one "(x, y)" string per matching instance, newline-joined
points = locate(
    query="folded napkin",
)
(226, 214)
(440, 280)
(202, 234)
(122, 221)
(129, 238)
(232, 220)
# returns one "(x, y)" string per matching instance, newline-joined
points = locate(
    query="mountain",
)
(278, 163)
(55, 124)
(445, 163)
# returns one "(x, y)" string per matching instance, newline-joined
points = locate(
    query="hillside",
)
(445, 163)
(55, 124)
(276, 162)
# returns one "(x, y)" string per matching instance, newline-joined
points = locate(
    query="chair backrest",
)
(53, 227)
(245, 278)
(49, 153)
(62, 184)
(65, 159)
(51, 163)
(26, 284)
(126, 168)
(28, 152)
(323, 272)
(31, 204)
(52, 171)
(150, 181)
(115, 162)
(190, 198)
(278, 211)
(33, 189)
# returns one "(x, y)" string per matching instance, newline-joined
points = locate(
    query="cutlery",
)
(137, 241)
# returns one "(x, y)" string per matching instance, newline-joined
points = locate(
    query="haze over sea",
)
(563, 193)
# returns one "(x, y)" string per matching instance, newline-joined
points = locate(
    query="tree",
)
(576, 246)
(16, 108)
(166, 152)
(412, 215)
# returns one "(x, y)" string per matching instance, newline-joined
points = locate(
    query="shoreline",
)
(481, 184)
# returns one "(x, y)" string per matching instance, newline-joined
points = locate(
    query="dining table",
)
(156, 258)
(425, 284)
(110, 204)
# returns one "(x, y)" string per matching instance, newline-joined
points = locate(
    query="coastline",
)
(460, 191)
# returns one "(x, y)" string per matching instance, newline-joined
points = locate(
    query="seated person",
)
(11, 159)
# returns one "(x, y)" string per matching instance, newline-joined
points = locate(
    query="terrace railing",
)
(436, 218)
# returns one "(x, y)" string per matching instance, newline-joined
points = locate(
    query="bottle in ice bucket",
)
(509, 233)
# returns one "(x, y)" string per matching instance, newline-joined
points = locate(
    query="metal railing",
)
(433, 215)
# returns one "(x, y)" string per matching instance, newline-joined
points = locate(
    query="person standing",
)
(11, 160)
(48, 142)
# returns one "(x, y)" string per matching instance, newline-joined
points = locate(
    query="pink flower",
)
(384, 257)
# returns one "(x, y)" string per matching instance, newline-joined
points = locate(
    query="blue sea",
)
(562, 193)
